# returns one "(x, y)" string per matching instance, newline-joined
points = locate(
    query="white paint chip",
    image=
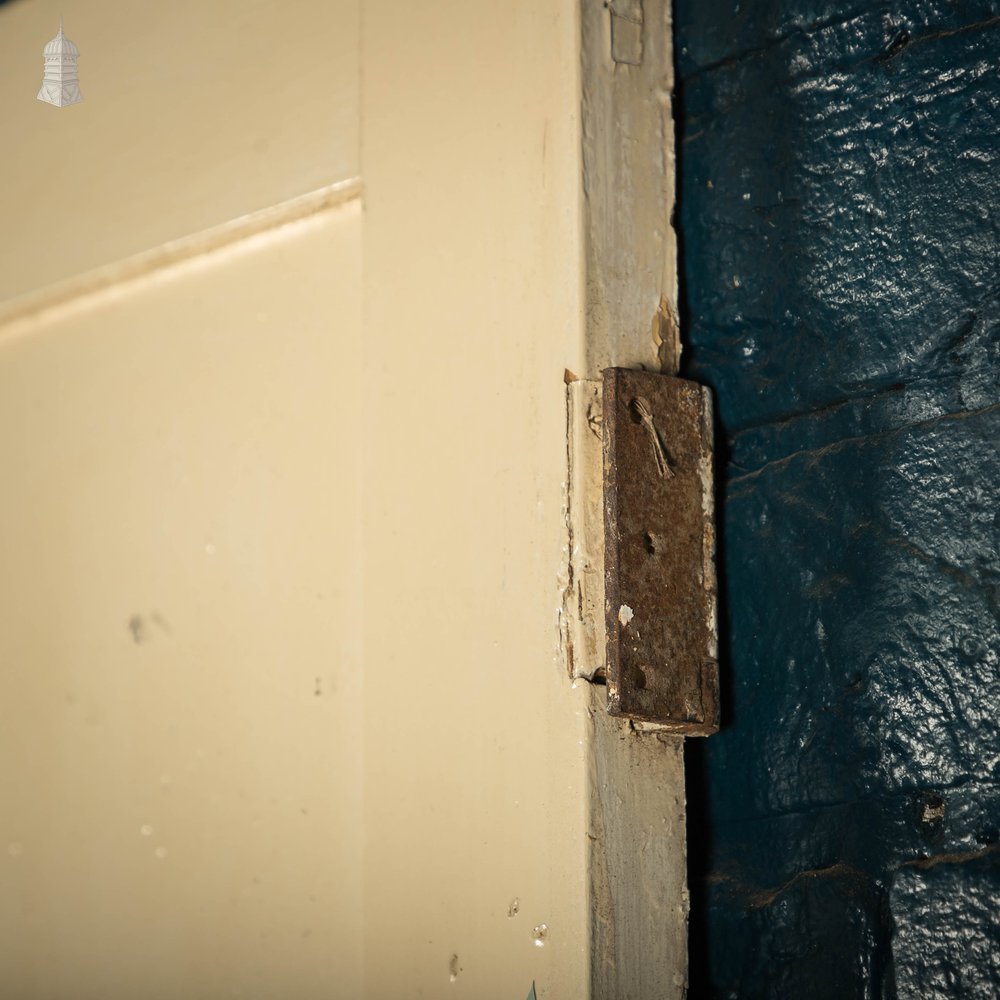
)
(625, 614)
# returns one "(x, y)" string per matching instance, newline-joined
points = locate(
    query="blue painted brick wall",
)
(840, 228)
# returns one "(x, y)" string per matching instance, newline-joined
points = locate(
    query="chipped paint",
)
(581, 615)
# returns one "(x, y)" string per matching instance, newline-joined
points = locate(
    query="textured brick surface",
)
(839, 198)
(954, 949)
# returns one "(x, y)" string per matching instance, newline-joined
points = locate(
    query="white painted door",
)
(286, 305)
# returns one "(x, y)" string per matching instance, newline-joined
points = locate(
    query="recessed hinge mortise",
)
(626, 31)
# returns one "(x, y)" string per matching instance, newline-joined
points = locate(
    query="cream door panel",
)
(181, 682)
(194, 113)
(283, 707)
(475, 741)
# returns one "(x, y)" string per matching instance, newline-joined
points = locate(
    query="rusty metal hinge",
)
(641, 604)
(659, 550)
